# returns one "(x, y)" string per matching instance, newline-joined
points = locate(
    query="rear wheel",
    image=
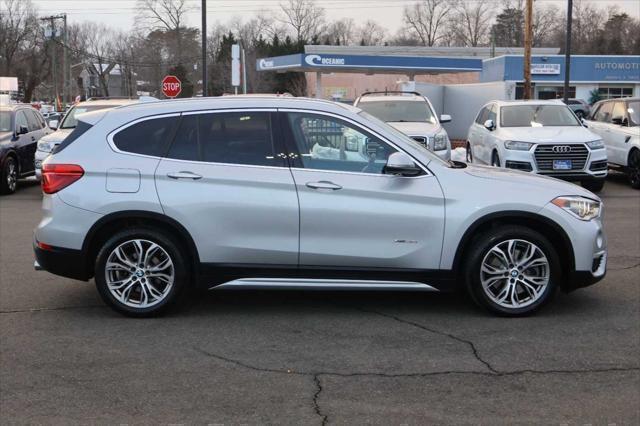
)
(469, 153)
(9, 176)
(512, 271)
(141, 272)
(594, 185)
(633, 168)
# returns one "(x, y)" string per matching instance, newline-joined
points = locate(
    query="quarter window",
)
(326, 143)
(232, 138)
(148, 137)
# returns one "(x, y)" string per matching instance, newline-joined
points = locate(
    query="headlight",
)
(580, 207)
(518, 146)
(440, 141)
(44, 147)
(598, 144)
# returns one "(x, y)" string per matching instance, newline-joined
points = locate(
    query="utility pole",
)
(65, 64)
(567, 52)
(204, 47)
(528, 36)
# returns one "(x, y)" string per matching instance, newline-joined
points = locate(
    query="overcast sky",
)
(121, 13)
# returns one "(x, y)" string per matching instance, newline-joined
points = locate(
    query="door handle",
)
(324, 184)
(33, 138)
(184, 175)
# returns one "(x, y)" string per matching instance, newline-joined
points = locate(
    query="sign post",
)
(171, 86)
(235, 66)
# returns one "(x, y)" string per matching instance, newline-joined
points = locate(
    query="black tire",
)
(633, 168)
(180, 271)
(495, 159)
(9, 176)
(469, 156)
(481, 246)
(594, 185)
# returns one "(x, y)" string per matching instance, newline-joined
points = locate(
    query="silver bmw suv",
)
(154, 198)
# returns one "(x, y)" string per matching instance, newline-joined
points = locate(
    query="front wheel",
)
(633, 169)
(9, 176)
(141, 272)
(595, 185)
(512, 271)
(495, 159)
(469, 153)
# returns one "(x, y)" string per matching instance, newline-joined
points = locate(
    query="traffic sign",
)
(171, 86)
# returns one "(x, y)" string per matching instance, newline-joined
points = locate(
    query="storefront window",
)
(615, 92)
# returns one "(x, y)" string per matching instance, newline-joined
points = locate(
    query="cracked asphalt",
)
(318, 357)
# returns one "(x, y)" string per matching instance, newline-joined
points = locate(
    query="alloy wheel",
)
(12, 175)
(139, 273)
(634, 169)
(515, 273)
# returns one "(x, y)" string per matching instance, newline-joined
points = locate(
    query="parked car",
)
(617, 122)
(247, 192)
(21, 127)
(543, 137)
(580, 107)
(68, 123)
(413, 115)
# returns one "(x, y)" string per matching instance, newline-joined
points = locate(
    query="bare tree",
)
(305, 18)
(18, 22)
(100, 50)
(471, 22)
(370, 33)
(545, 22)
(168, 16)
(342, 31)
(426, 19)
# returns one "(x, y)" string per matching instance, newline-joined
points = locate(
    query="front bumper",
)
(595, 166)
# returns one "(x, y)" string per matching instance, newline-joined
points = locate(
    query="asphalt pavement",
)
(316, 358)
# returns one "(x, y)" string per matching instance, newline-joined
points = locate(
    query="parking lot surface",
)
(318, 357)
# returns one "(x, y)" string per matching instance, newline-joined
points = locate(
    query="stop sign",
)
(171, 86)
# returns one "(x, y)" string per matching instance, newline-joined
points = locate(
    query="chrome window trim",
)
(367, 130)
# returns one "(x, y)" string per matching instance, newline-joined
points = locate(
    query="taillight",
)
(58, 176)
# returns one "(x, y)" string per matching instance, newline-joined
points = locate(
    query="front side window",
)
(327, 143)
(32, 120)
(148, 137)
(604, 112)
(399, 111)
(226, 137)
(537, 116)
(21, 120)
(492, 114)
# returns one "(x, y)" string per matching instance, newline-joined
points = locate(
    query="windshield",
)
(399, 111)
(401, 136)
(537, 116)
(633, 108)
(70, 121)
(5, 121)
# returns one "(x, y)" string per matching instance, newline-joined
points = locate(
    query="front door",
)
(223, 180)
(352, 215)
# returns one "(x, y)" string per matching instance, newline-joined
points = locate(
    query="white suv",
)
(266, 192)
(413, 115)
(543, 137)
(617, 121)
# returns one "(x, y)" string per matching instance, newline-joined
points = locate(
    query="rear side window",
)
(228, 137)
(148, 137)
(78, 131)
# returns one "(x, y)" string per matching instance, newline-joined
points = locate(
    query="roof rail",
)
(107, 98)
(392, 92)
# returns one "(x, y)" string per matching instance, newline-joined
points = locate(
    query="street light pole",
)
(204, 47)
(567, 52)
(528, 36)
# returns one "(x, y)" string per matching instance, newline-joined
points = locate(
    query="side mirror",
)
(53, 124)
(490, 125)
(584, 123)
(23, 130)
(445, 118)
(401, 164)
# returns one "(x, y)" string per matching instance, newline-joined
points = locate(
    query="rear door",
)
(352, 215)
(24, 142)
(225, 179)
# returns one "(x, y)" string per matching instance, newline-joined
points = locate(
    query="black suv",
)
(21, 126)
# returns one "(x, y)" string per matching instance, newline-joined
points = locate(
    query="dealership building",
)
(458, 80)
